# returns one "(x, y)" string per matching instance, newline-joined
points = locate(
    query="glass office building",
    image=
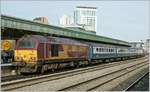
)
(86, 17)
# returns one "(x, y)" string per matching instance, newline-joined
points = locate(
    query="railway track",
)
(18, 77)
(37, 80)
(93, 84)
(136, 82)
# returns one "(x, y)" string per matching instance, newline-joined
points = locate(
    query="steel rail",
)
(116, 77)
(135, 82)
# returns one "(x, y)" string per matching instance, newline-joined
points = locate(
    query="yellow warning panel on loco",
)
(25, 55)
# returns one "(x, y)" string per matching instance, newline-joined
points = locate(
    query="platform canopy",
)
(27, 25)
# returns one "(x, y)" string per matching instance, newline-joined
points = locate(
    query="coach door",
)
(54, 50)
(41, 51)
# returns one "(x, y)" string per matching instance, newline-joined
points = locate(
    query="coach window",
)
(105, 49)
(96, 49)
(100, 49)
(112, 50)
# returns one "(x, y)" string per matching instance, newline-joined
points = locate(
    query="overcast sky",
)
(124, 20)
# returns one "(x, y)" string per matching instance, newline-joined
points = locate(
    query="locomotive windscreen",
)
(26, 43)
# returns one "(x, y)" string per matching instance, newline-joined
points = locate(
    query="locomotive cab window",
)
(54, 50)
(27, 43)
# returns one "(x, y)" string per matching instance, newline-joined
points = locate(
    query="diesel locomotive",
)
(36, 53)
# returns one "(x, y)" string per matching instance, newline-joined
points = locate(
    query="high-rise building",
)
(66, 20)
(136, 44)
(43, 20)
(86, 17)
(147, 46)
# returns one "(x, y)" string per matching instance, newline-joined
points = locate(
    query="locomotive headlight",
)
(33, 58)
(18, 58)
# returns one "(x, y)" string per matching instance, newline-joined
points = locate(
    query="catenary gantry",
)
(27, 25)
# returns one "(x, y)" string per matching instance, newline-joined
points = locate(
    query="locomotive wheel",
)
(53, 70)
(76, 64)
(42, 70)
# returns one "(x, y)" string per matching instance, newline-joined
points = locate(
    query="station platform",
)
(7, 64)
(7, 69)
